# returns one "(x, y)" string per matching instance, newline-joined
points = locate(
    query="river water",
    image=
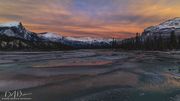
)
(92, 75)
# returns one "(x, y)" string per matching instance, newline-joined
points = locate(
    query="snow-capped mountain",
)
(16, 29)
(88, 39)
(165, 36)
(164, 28)
(58, 38)
(87, 42)
(48, 36)
(14, 34)
(76, 42)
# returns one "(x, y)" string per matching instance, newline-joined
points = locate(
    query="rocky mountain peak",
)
(164, 28)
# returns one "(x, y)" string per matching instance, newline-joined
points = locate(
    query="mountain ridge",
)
(164, 28)
(164, 36)
(17, 31)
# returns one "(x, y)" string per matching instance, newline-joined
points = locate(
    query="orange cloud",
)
(102, 18)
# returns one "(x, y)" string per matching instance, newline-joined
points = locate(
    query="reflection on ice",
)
(92, 75)
(71, 63)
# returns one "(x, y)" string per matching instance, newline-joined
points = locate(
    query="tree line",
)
(154, 42)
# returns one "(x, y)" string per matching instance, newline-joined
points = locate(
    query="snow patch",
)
(10, 24)
(169, 24)
(51, 35)
(172, 23)
(88, 39)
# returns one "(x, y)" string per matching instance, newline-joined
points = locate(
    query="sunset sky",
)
(94, 18)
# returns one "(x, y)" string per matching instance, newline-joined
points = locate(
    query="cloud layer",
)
(95, 18)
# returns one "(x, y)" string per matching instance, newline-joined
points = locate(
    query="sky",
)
(89, 18)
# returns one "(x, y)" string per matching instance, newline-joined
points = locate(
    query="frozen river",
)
(92, 75)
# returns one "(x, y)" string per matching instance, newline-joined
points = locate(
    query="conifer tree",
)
(173, 40)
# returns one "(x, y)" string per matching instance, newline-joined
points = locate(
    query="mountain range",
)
(14, 35)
